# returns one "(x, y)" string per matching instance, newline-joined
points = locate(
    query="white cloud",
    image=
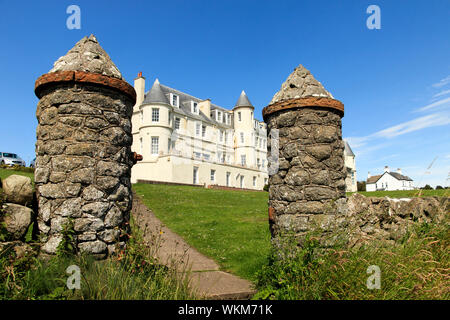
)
(365, 145)
(442, 93)
(443, 102)
(442, 83)
(432, 120)
(357, 142)
(366, 150)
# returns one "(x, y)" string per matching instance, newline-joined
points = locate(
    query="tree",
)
(361, 185)
(427, 187)
(439, 188)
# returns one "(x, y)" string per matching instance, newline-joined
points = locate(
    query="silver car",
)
(11, 159)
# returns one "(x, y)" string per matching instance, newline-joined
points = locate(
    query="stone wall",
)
(83, 165)
(307, 191)
(17, 214)
(358, 219)
(83, 151)
(311, 171)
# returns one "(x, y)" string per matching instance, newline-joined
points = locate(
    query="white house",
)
(184, 139)
(350, 166)
(389, 181)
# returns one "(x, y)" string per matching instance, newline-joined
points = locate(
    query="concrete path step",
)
(205, 277)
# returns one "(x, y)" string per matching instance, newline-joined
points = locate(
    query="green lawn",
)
(405, 193)
(229, 226)
(4, 173)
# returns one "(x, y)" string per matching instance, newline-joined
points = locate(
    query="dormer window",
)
(219, 116)
(194, 107)
(174, 100)
(227, 118)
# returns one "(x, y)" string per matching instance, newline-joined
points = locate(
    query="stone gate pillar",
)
(83, 150)
(311, 176)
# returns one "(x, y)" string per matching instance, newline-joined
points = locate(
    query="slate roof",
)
(373, 179)
(348, 151)
(160, 93)
(243, 101)
(156, 95)
(396, 175)
(399, 176)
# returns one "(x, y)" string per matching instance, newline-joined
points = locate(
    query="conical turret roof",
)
(156, 95)
(243, 101)
(347, 150)
(87, 55)
(300, 84)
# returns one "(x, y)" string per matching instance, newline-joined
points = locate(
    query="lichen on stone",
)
(300, 84)
(87, 56)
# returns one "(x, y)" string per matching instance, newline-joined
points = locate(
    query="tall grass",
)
(133, 275)
(416, 268)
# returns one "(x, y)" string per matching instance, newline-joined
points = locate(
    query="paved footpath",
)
(205, 277)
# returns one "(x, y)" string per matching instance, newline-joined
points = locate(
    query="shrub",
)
(361, 185)
(266, 187)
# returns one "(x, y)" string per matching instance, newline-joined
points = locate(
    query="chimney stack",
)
(368, 175)
(139, 87)
(205, 107)
(386, 169)
(399, 171)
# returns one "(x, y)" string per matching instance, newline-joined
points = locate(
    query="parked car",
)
(33, 163)
(11, 159)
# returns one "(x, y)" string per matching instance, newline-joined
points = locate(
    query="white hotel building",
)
(187, 140)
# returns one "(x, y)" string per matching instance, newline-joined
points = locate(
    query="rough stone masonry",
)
(83, 150)
(311, 175)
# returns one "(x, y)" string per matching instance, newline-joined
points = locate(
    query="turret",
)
(156, 115)
(243, 129)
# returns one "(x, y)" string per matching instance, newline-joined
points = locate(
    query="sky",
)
(393, 81)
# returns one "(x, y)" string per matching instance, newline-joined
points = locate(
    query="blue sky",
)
(394, 82)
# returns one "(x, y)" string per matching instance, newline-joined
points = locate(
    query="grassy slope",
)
(229, 226)
(4, 173)
(405, 193)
